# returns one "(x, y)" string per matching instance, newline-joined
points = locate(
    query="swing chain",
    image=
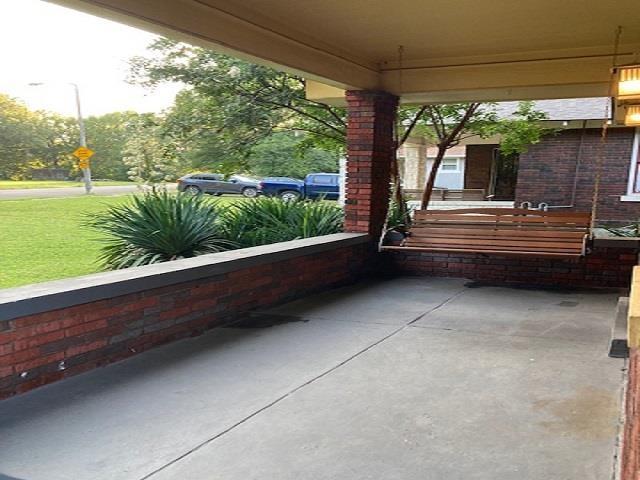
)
(603, 135)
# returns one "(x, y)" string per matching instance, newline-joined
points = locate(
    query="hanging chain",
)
(603, 135)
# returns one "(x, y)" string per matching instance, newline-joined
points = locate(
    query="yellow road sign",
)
(83, 163)
(83, 153)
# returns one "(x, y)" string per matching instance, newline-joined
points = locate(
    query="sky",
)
(48, 44)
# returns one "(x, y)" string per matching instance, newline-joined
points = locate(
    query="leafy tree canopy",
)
(148, 156)
(284, 154)
(33, 139)
(242, 98)
(107, 135)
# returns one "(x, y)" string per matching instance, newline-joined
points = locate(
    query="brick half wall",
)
(605, 267)
(97, 323)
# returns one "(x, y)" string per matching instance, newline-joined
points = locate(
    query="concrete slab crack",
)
(299, 387)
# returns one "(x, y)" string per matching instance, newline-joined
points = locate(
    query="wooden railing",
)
(444, 194)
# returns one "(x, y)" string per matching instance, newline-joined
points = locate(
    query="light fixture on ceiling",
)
(632, 116)
(628, 83)
(627, 94)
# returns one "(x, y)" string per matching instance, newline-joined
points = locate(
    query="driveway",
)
(399, 379)
(67, 192)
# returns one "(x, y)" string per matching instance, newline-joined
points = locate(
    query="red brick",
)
(32, 342)
(547, 170)
(79, 349)
(21, 356)
(86, 327)
(41, 360)
(6, 349)
(38, 329)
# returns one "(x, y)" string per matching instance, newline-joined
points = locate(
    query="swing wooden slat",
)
(503, 231)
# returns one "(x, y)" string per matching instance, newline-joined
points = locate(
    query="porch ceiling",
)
(460, 50)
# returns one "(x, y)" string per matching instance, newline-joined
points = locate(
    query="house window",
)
(633, 188)
(450, 165)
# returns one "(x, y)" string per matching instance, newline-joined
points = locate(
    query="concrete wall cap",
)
(42, 297)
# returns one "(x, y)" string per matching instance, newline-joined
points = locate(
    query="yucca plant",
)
(269, 220)
(157, 227)
(632, 230)
(399, 219)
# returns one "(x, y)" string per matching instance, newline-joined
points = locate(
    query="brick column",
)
(370, 150)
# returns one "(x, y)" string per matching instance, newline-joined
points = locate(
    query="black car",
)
(215, 184)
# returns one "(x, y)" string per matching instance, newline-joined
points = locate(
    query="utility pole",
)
(86, 172)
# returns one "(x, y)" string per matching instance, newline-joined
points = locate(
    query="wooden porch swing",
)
(499, 231)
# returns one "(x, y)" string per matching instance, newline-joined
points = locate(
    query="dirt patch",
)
(590, 413)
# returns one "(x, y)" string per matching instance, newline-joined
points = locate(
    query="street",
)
(68, 192)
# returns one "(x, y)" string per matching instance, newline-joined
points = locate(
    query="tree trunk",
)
(395, 178)
(428, 189)
(395, 168)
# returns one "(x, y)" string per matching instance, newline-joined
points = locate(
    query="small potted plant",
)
(398, 223)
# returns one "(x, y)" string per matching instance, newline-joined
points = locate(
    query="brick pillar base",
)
(370, 150)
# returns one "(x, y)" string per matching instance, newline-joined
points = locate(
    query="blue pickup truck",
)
(315, 185)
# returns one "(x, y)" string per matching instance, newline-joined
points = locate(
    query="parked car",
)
(215, 184)
(315, 185)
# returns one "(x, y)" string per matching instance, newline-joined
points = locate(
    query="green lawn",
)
(19, 184)
(43, 239)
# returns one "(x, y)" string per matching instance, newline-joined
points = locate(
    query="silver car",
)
(215, 184)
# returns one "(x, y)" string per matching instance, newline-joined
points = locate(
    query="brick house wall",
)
(547, 170)
(477, 170)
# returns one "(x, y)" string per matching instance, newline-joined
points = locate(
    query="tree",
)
(202, 139)
(107, 135)
(59, 136)
(241, 94)
(149, 159)
(522, 130)
(450, 124)
(20, 138)
(34, 139)
(281, 155)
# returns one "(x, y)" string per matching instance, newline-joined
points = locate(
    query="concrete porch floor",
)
(395, 379)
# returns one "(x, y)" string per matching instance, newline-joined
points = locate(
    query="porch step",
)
(619, 347)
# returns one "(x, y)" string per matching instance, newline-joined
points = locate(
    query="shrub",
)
(398, 218)
(157, 227)
(269, 220)
(632, 230)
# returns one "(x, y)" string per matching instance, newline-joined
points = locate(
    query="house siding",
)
(547, 171)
